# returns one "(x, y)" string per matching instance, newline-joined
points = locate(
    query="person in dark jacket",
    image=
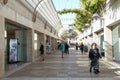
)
(94, 56)
(62, 48)
(66, 48)
(42, 56)
(82, 47)
(76, 45)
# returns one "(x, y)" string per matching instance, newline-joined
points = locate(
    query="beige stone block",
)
(1, 63)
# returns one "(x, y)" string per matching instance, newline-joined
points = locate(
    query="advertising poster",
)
(13, 54)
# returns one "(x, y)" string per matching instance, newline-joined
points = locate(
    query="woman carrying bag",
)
(94, 56)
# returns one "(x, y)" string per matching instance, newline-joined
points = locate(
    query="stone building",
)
(105, 31)
(24, 24)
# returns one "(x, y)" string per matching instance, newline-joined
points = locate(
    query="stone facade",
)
(19, 14)
(109, 28)
(2, 46)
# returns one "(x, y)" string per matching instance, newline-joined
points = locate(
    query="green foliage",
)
(65, 35)
(64, 11)
(84, 14)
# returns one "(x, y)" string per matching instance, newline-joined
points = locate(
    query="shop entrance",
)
(15, 45)
(116, 43)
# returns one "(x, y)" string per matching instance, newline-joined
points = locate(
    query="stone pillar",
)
(44, 42)
(30, 46)
(95, 38)
(51, 42)
(38, 46)
(2, 66)
(86, 40)
(108, 43)
(89, 42)
(54, 44)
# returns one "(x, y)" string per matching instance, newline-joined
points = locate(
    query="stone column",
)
(54, 44)
(51, 44)
(108, 43)
(95, 38)
(89, 42)
(30, 46)
(2, 66)
(38, 46)
(44, 42)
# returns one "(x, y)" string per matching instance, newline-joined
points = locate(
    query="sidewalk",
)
(73, 66)
(113, 65)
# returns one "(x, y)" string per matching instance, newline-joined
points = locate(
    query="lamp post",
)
(70, 30)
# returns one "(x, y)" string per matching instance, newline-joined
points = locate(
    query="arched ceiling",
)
(47, 10)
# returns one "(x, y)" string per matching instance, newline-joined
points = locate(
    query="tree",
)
(85, 12)
(66, 34)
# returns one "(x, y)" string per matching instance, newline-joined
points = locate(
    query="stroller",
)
(95, 65)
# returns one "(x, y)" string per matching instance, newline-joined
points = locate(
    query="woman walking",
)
(42, 56)
(66, 48)
(94, 56)
(82, 48)
(63, 48)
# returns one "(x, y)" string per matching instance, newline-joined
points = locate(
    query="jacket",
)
(94, 53)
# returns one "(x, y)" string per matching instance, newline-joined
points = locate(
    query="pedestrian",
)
(76, 45)
(66, 48)
(42, 56)
(94, 56)
(59, 46)
(62, 48)
(81, 47)
(85, 48)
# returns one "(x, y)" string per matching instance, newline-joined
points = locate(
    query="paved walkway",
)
(72, 67)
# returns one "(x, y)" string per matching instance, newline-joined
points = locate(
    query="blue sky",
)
(66, 19)
(61, 4)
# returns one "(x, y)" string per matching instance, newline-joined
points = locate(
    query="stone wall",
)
(1, 46)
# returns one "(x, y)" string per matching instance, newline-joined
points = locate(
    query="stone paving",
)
(73, 66)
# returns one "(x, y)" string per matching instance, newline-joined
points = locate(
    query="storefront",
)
(101, 44)
(48, 44)
(38, 40)
(116, 43)
(15, 45)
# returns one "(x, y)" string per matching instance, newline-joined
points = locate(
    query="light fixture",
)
(95, 15)
(87, 24)
(82, 29)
